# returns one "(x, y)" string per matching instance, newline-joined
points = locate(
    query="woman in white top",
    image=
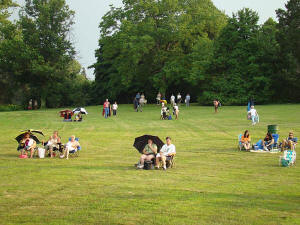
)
(114, 108)
(53, 143)
(28, 144)
(254, 115)
(72, 145)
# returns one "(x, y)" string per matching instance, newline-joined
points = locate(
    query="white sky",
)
(89, 13)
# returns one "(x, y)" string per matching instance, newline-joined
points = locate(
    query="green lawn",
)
(212, 182)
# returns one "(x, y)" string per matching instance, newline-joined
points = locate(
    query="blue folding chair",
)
(75, 153)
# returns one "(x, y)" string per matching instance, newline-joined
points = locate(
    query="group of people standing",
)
(139, 101)
(33, 104)
(108, 109)
(173, 99)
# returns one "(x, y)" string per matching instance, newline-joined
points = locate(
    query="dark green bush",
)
(6, 108)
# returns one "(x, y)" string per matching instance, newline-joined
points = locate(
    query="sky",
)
(85, 33)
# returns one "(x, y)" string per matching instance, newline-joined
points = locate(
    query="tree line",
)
(186, 46)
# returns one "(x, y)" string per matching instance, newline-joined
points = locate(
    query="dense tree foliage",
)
(38, 55)
(190, 46)
(151, 46)
(186, 46)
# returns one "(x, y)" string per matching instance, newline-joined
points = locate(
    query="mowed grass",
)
(212, 182)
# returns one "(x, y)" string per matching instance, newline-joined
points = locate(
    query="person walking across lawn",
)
(106, 107)
(114, 108)
(187, 100)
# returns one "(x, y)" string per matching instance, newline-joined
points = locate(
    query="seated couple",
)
(54, 144)
(150, 152)
(27, 144)
(267, 143)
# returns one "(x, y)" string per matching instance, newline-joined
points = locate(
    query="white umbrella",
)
(80, 110)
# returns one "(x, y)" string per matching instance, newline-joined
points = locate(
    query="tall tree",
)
(150, 45)
(46, 26)
(289, 40)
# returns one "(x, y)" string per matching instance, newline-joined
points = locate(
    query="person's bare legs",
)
(142, 159)
(67, 153)
(163, 159)
(290, 144)
(31, 152)
(157, 162)
(51, 151)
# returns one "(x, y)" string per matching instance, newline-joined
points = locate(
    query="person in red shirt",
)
(106, 108)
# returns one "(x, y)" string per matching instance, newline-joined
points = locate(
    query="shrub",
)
(6, 108)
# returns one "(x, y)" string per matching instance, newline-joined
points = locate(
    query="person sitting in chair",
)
(149, 153)
(53, 143)
(290, 142)
(246, 141)
(27, 144)
(268, 142)
(72, 145)
(168, 150)
(78, 118)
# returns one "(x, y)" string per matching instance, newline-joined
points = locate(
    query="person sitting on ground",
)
(168, 150)
(72, 145)
(290, 142)
(149, 153)
(268, 142)
(27, 144)
(78, 118)
(176, 111)
(246, 140)
(53, 144)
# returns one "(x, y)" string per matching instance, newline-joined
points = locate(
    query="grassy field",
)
(212, 182)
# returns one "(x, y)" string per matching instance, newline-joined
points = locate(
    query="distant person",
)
(176, 111)
(268, 142)
(135, 104)
(158, 98)
(35, 104)
(254, 115)
(172, 99)
(115, 108)
(149, 153)
(72, 145)
(138, 96)
(78, 117)
(106, 107)
(246, 140)
(168, 150)
(216, 105)
(30, 104)
(290, 142)
(179, 99)
(187, 100)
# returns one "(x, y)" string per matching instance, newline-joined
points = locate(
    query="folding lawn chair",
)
(288, 158)
(74, 152)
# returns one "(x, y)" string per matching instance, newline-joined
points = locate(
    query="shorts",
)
(158, 155)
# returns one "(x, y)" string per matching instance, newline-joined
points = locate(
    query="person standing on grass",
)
(216, 105)
(179, 99)
(176, 111)
(168, 150)
(254, 115)
(114, 108)
(106, 107)
(187, 100)
(148, 153)
(172, 100)
(158, 98)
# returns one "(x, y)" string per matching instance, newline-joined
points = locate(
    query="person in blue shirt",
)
(290, 142)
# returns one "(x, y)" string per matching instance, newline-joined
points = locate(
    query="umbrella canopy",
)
(20, 137)
(32, 131)
(80, 110)
(63, 112)
(140, 142)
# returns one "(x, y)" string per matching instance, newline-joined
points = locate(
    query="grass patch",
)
(212, 182)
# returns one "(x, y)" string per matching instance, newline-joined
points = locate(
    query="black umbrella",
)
(32, 131)
(141, 142)
(80, 110)
(20, 137)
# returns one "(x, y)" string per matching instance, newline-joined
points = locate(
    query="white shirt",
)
(178, 96)
(168, 149)
(176, 108)
(172, 98)
(114, 106)
(30, 142)
(253, 112)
